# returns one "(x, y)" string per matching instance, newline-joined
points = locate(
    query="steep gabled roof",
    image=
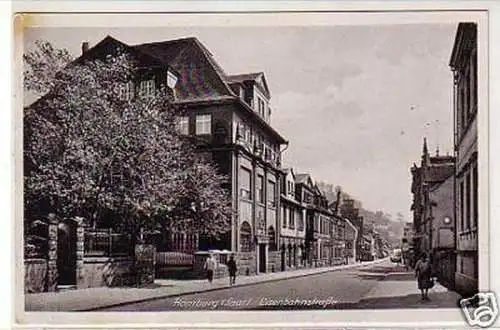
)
(301, 178)
(305, 179)
(257, 77)
(287, 171)
(112, 46)
(200, 75)
(243, 77)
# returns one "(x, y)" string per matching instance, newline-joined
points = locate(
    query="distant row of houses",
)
(282, 220)
(445, 188)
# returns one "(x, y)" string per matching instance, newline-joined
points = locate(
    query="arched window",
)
(246, 237)
(272, 238)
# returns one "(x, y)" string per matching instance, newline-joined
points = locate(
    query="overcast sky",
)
(354, 101)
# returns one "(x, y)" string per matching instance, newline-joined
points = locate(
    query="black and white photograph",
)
(327, 166)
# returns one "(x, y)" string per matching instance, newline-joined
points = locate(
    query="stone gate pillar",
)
(80, 248)
(52, 273)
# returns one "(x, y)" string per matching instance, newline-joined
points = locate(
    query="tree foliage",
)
(89, 151)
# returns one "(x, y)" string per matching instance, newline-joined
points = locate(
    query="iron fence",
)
(104, 242)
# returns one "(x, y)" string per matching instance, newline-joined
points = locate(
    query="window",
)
(467, 201)
(246, 237)
(245, 183)
(474, 80)
(244, 132)
(261, 107)
(126, 91)
(260, 189)
(462, 215)
(203, 124)
(147, 88)
(475, 200)
(307, 198)
(300, 221)
(271, 193)
(292, 219)
(284, 224)
(183, 125)
(461, 102)
(466, 88)
(272, 239)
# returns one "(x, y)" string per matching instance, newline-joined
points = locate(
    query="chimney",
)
(85, 47)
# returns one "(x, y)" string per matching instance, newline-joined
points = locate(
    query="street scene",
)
(250, 168)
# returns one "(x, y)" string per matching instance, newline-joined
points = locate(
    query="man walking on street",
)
(210, 266)
(231, 265)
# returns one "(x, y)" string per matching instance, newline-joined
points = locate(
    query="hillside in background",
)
(390, 229)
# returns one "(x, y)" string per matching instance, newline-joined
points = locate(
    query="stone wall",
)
(52, 273)
(246, 263)
(274, 261)
(35, 275)
(145, 264)
(106, 271)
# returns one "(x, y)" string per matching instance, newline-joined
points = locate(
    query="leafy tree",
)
(92, 151)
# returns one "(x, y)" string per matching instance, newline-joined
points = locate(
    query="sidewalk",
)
(399, 290)
(97, 298)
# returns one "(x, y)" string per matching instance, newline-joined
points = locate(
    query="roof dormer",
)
(252, 88)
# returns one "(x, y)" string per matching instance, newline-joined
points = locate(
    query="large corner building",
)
(463, 63)
(229, 117)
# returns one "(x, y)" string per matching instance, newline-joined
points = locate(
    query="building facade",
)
(293, 228)
(319, 245)
(228, 117)
(426, 178)
(339, 240)
(442, 234)
(350, 237)
(433, 213)
(349, 209)
(323, 230)
(463, 63)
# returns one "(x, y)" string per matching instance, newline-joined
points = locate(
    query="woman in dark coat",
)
(231, 266)
(423, 274)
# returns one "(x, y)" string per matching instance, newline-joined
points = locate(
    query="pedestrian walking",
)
(210, 266)
(231, 266)
(423, 275)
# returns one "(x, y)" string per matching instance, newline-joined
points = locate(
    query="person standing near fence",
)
(210, 266)
(231, 266)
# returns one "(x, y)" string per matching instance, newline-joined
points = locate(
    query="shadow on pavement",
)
(437, 300)
(412, 301)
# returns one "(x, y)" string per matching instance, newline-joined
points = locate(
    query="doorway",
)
(262, 258)
(66, 253)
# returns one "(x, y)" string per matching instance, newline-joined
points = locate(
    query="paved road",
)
(333, 290)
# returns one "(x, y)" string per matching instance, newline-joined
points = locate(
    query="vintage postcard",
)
(263, 168)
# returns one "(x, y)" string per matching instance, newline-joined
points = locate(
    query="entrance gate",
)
(66, 253)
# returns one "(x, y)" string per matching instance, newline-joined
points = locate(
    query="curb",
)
(93, 309)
